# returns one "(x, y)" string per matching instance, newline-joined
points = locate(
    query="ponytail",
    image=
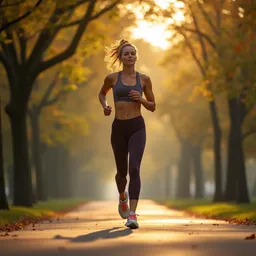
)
(114, 53)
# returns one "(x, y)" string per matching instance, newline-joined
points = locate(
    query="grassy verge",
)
(41, 209)
(206, 208)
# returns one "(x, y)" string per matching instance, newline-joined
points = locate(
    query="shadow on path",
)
(103, 234)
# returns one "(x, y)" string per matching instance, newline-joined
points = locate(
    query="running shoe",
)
(123, 207)
(132, 222)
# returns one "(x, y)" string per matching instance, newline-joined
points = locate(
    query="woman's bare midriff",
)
(127, 110)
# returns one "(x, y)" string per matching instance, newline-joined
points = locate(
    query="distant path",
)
(95, 229)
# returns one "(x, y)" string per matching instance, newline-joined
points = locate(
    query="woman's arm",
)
(107, 85)
(149, 103)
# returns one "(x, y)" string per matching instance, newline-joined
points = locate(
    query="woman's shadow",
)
(103, 234)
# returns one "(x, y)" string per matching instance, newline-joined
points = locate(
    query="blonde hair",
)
(114, 53)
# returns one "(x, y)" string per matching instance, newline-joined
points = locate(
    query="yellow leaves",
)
(61, 127)
(70, 87)
(8, 41)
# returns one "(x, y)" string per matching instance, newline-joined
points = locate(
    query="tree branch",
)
(248, 133)
(218, 14)
(6, 25)
(49, 91)
(9, 70)
(104, 10)
(77, 22)
(201, 41)
(10, 48)
(11, 5)
(54, 100)
(47, 35)
(207, 18)
(23, 44)
(75, 41)
(203, 35)
(4, 60)
(193, 53)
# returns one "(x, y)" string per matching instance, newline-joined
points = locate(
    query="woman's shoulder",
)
(144, 77)
(112, 76)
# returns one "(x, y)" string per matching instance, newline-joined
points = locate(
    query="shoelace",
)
(133, 216)
(124, 206)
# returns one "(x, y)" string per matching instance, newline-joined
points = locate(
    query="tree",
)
(215, 25)
(5, 21)
(3, 200)
(188, 118)
(22, 70)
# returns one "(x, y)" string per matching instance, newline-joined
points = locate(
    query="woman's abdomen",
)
(127, 110)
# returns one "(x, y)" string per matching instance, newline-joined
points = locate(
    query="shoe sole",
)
(132, 225)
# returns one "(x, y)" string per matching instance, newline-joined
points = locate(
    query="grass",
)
(47, 208)
(215, 210)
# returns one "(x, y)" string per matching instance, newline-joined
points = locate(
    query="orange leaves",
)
(238, 47)
(251, 237)
(21, 224)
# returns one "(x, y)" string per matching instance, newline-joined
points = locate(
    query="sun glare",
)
(156, 33)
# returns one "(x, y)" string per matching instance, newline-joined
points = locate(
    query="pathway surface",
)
(95, 229)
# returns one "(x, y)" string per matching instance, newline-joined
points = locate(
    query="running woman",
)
(128, 135)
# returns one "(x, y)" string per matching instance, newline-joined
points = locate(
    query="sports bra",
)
(121, 91)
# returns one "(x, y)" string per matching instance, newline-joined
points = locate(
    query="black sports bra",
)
(121, 91)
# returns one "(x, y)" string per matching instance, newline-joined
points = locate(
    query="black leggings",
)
(128, 136)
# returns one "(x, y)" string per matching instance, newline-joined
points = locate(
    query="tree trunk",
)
(22, 173)
(231, 186)
(167, 180)
(196, 156)
(254, 189)
(51, 169)
(183, 190)
(64, 173)
(236, 183)
(36, 154)
(3, 199)
(218, 195)
(10, 181)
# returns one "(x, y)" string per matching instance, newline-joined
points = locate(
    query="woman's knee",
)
(121, 175)
(134, 173)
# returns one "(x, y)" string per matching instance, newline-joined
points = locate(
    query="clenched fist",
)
(135, 95)
(107, 110)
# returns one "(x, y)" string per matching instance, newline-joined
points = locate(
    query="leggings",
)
(128, 136)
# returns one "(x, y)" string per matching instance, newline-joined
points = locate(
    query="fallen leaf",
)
(6, 234)
(251, 237)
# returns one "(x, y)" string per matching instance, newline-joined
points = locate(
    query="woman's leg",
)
(120, 149)
(136, 148)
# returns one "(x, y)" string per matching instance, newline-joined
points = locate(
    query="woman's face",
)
(129, 56)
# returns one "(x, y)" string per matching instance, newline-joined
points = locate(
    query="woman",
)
(128, 129)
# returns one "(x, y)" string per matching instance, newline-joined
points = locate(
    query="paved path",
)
(95, 229)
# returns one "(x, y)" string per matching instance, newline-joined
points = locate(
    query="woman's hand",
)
(107, 110)
(135, 95)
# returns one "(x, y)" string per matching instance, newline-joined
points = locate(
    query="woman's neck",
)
(128, 70)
